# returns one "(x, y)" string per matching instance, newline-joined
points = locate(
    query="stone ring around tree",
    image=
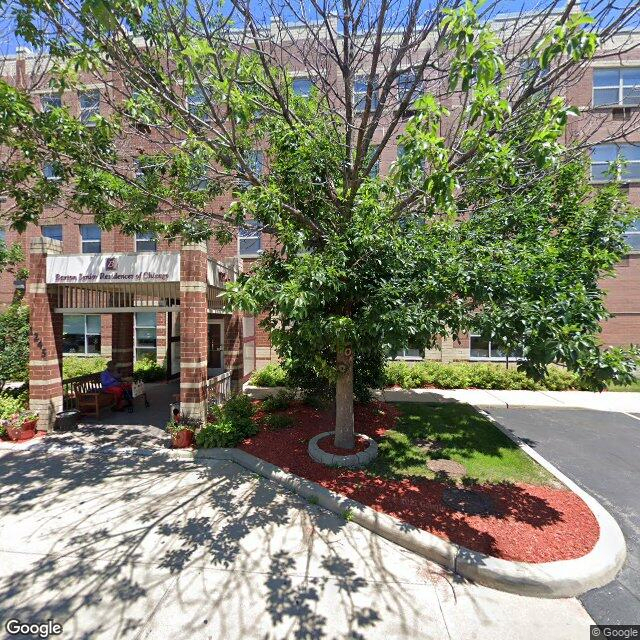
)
(353, 460)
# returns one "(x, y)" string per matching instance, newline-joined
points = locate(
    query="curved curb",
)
(350, 461)
(559, 579)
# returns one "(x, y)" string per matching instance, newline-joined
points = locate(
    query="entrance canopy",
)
(127, 282)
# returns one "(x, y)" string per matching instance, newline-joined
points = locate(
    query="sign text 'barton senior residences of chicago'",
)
(126, 267)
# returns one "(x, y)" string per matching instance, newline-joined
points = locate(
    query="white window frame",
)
(633, 233)
(245, 234)
(618, 148)
(360, 96)
(51, 96)
(146, 236)
(87, 334)
(490, 357)
(48, 226)
(620, 87)
(84, 241)
(86, 113)
(136, 326)
(402, 354)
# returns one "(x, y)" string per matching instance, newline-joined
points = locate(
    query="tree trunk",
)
(344, 400)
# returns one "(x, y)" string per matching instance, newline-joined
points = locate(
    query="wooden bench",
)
(89, 397)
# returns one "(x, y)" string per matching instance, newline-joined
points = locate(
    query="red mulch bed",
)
(326, 444)
(530, 523)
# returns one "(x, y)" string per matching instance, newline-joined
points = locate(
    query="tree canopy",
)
(484, 222)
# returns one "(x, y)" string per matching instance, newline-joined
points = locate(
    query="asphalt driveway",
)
(112, 545)
(600, 451)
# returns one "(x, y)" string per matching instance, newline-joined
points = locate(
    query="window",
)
(146, 335)
(89, 106)
(255, 162)
(249, 238)
(51, 171)
(632, 235)
(410, 353)
(90, 235)
(197, 105)
(375, 169)
(3, 235)
(50, 101)
(81, 334)
(302, 87)
(603, 155)
(146, 241)
(52, 231)
(360, 93)
(405, 83)
(616, 87)
(481, 349)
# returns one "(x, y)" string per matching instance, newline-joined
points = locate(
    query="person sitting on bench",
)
(112, 383)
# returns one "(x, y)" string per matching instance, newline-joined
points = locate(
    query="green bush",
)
(465, 375)
(74, 366)
(11, 403)
(282, 400)
(14, 343)
(273, 375)
(276, 421)
(221, 433)
(148, 370)
(229, 424)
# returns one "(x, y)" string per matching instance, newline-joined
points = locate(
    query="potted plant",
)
(182, 431)
(21, 426)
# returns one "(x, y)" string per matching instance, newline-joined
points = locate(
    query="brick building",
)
(607, 94)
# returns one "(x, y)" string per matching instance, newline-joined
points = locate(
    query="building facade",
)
(608, 94)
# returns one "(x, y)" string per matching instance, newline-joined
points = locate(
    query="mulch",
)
(527, 523)
(326, 444)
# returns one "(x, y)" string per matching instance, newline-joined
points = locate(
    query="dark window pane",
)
(604, 97)
(479, 347)
(53, 231)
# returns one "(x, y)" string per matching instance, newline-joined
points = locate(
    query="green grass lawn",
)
(635, 386)
(468, 437)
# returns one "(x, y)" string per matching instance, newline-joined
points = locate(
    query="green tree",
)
(485, 221)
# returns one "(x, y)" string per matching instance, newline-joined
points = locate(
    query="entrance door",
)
(173, 337)
(215, 349)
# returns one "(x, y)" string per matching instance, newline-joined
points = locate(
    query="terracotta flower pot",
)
(182, 439)
(24, 431)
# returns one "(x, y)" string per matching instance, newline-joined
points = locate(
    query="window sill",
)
(490, 359)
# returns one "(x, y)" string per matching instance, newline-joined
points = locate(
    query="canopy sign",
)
(113, 268)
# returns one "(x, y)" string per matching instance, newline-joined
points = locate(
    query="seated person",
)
(112, 383)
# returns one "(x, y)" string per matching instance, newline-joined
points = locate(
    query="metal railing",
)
(219, 388)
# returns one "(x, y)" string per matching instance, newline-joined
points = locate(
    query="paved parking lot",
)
(600, 451)
(123, 546)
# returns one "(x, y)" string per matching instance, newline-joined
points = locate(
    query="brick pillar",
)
(45, 337)
(193, 329)
(447, 349)
(122, 342)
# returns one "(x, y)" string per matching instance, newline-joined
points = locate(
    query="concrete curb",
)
(352, 461)
(560, 579)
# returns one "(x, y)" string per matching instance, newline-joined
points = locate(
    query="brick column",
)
(122, 342)
(193, 329)
(45, 337)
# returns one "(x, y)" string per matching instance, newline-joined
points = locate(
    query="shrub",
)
(464, 375)
(74, 366)
(273, 375)
(217, 434)
(276, 421)
(282, 400)
(14, 343)
(229, 424)
(184, 424)
(10, 404)
(148, 370)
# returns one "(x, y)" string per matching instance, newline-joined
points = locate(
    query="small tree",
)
(462, 234)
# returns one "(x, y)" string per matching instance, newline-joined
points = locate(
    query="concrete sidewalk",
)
(620, 402)
(116, 546)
